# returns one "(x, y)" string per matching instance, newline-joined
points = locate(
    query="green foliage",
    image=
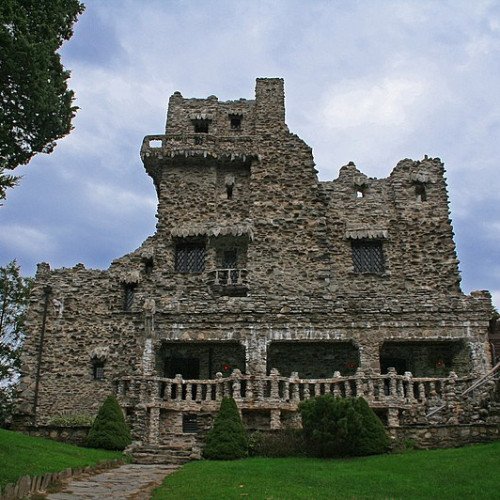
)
(336, 427)
(458, 473)
(22, 455)
(275, 444)
(109, 430)
(35, 103)
(72, 420)
(227, 440)
(14, 297)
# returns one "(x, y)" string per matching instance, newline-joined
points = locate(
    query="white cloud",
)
(26, 240)
(113, 200)
(386, 103)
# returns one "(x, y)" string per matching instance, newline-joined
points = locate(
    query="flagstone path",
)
(131, 482)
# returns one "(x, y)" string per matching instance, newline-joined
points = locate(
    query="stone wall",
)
(250, 186)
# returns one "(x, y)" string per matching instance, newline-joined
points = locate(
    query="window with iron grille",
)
(367, 256)
(128, 296)
(190, 258)
(98, 370)
(189, 423)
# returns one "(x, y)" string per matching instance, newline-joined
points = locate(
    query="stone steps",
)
(176, 449)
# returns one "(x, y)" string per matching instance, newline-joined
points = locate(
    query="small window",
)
(420, 192)
(201, 126)
(230, 259)
(229, 191)
(367, 256)
(235, 121)
(148, 266)
(128, 296)
(98, 370)
(190, 258)
(189, 423)
(360, 193)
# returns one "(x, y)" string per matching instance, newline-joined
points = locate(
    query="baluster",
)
(249, 392)
(360, 389)
(421, 392)
(219, 387)
(178, 384)
(410, 394)
(347, 388)
(275, 395)
(286, 390)
(393, 384)
(236, 385)
(307, 392)
(189, 395)
(336, 390)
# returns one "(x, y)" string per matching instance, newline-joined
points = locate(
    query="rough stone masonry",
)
(261, 282)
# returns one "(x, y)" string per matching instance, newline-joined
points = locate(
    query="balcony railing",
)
(230, 277)
(276, 392)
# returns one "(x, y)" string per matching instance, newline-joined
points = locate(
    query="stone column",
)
(154, 426)
(369, 355)
(256, 353)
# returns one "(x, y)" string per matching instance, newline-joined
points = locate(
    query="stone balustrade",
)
(274, 391)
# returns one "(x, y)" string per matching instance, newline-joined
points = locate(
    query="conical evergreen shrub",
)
(109, 430)
(227, 440)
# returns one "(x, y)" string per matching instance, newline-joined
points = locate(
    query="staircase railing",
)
(493, 374)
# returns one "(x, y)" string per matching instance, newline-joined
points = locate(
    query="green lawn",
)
(461, 473)
(22, 455)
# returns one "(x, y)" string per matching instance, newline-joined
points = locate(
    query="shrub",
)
(336, 427)
(277, 444)
(227, 440)
(109, 430)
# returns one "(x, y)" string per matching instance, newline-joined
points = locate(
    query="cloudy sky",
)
(370, 81)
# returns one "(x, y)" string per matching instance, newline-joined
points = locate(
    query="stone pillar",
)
(369, 355)
(275, 419)
(393, 417)
(154, 426)
(256, 353)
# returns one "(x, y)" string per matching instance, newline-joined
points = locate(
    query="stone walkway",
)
(129, 481)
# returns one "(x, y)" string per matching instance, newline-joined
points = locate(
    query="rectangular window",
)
(128, 296)
(98, 372)
(189, 423)
(367, 256)
(190, 258)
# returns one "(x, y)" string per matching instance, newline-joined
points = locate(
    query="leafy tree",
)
(342, 427)
(227, 440)
(14, 297)
(35, 102)
(109, 430)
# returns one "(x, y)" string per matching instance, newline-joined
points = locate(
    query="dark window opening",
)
(201, 126)
(229, 260)
(198, 140)
(360, 193)
(235, 122)
(148, 266)
(98, 370)
(420, 192)
(189, 368)
(128, 296)
(229, 192)
(189, 423)
(190, 258)
(367, 256)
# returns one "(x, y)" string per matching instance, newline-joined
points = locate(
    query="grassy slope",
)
(22, 455)
(470, 472)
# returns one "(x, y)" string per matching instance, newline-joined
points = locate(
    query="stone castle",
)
(261, 283)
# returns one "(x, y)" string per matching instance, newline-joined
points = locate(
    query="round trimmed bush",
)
(109, 430)
(227, 440)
